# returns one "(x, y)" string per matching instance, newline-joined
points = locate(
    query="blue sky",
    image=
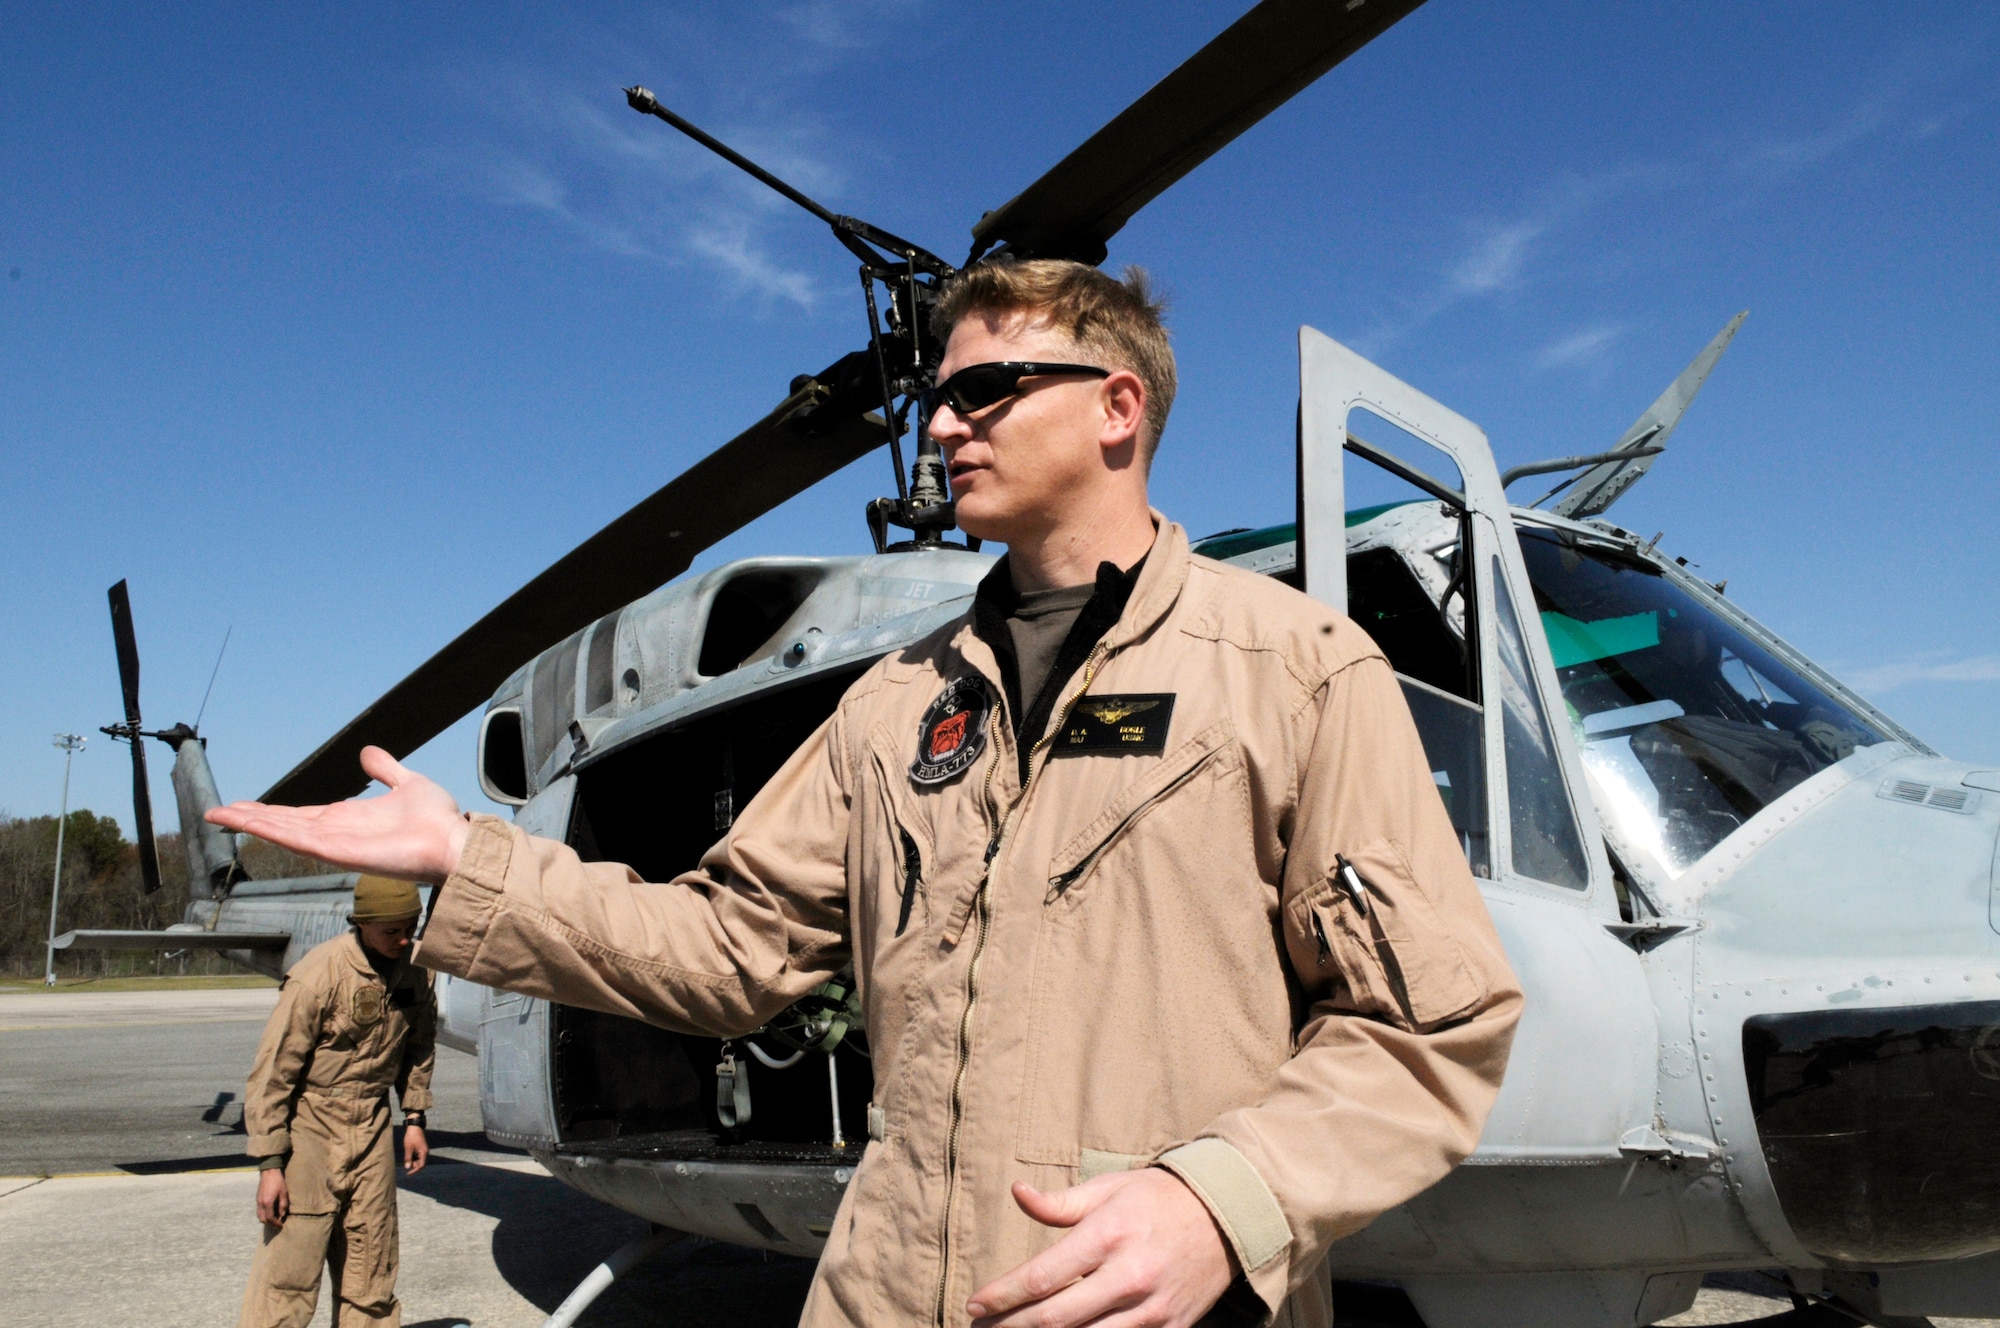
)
(333, 326)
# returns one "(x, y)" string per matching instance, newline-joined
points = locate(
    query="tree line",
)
(102, 890)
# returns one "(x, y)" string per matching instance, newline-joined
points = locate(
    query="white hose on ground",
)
(769, 1060)
(622, 1261)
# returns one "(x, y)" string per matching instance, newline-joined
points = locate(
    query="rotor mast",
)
(904, 359)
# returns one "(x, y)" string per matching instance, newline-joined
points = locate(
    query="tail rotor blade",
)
(142, 812)
(128, 681)
(128, 651)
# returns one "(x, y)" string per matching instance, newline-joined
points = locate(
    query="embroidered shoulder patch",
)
(367, 1005)
(953, 731)
(1134, 725)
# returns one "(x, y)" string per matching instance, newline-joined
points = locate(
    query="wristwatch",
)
(415, 1118)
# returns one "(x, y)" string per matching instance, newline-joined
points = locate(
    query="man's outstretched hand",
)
(1141, 1250)
(413, 832)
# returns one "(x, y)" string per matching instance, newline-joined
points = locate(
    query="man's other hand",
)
(274, 1201)
(416, 1149)
(1141, 1250)
(413, 832)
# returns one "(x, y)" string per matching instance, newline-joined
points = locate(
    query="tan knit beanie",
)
(383, 899)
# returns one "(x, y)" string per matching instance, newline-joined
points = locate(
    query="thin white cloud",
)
(1507, 256)
(1495, 261)
(1579, 349)
(1500, 255)
(527, 185)
(631, 186)
(1881, 679)
(734, 251)
(844, 25)
(1783, 156)
(1891, 108)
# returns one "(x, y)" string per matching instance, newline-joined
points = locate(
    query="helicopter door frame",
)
(1333, 382)
(1582, 1075)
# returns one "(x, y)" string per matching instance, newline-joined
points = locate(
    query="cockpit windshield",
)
(1687, 726)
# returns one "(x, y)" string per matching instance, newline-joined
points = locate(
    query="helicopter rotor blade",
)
(814, 432)
(128, 681)
(1256, 65)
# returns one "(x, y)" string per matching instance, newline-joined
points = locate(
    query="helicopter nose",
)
(1860, 942)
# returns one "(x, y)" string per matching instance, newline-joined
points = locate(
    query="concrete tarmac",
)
(495, 1243)
(125, 1196)
(93, 1081)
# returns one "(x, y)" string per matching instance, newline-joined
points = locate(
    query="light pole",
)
(71, 744)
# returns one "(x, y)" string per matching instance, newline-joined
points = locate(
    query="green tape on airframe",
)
(1573, 642)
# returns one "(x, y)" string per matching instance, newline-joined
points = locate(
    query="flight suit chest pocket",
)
(361, 1015)
(1368, 924)
(1078, 859)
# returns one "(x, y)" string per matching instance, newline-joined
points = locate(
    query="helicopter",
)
(1711, 863)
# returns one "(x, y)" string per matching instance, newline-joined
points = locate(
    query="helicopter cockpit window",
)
(1546, 843)
(1687, 726)
(1407, 588)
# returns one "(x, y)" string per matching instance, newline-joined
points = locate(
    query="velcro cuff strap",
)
(277, 1142)
(486, 855)
(462, 908)
(1242, 1203)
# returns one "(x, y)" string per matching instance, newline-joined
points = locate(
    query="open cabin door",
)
(1437, 579)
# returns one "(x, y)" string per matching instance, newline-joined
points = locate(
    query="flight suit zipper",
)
(982, 916)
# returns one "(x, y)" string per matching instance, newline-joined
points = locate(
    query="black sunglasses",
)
(977, 386)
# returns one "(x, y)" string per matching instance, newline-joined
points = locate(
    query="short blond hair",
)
(1116, 322)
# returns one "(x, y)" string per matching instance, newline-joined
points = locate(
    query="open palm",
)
(412, 832)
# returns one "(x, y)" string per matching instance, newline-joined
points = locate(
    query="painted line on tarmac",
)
(133, 1023)
(115, 1171)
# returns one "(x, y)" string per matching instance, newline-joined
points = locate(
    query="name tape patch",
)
(1134, 725)
(953, 731)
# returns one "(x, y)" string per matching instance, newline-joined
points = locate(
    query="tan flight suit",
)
(1224, 927)
(339, 1040)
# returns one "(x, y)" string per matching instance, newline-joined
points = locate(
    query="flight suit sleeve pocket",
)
(1368, 924)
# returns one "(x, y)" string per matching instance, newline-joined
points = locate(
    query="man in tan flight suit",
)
(355, 1018)
(1174, 970)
